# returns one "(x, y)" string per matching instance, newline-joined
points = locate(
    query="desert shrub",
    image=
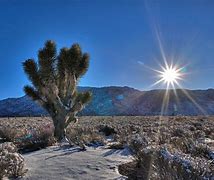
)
(181, 166)
(208, 131)
(163, 137)
(144, 162)
(125, 134)
(11, 162)
(140, 168)
(122, 136)
(107, 130)
(28, 143)
(8, 133)
(82, 136)
(28, 137)
(183, 144)
(173, 167)
(137, 143)
(192, 128)
(178, 132)
(35, 138)
(134, 129)
(116, 146)
(199, 134)
(198, 125)
(156, 162)
(211, 136)
(203, 151)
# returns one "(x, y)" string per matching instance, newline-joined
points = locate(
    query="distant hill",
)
(123, 101)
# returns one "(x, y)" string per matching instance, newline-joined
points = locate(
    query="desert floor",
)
(70, 163)
(192, 138)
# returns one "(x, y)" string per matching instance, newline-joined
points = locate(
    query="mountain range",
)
(126, 101)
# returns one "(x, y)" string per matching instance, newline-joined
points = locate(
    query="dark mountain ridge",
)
(111, 101)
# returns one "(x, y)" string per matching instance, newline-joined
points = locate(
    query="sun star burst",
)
(170, 75)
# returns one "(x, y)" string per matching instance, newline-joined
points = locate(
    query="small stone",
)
(97, 168)
(112, 167)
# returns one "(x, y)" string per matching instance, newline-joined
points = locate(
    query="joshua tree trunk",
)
(59, 130)
(54, 81)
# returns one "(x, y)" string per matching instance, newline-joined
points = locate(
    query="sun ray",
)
(156, 83)
(171, 75)
(193, 101)
(161, 48)
(165, 102)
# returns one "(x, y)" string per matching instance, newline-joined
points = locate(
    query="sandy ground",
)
(69, 163)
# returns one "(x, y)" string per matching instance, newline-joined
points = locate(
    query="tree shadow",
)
(66, 148)
(65, 151)
(121, 152)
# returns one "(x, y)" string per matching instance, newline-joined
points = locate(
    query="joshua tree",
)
(54, 83)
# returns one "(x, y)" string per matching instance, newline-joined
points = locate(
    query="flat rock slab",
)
(70, 163)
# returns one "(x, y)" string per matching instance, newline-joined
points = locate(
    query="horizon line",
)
(115, 86)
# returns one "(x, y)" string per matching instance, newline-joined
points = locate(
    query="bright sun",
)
(170, 75)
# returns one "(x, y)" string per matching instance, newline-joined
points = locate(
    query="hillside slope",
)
(124, 101)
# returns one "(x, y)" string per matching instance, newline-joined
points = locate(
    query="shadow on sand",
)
(121, 152)
(65, 151)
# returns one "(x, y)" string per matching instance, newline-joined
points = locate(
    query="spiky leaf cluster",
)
(72, 60)
(84, 97)
(54, 78)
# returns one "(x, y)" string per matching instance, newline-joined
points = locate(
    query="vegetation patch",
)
(11, 162)
(163, 148)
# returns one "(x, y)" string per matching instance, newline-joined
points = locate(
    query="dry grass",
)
(81, 136)
(27, 133)
(11, 162)
(184, 139)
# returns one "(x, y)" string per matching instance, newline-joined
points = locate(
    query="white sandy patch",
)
(70, 163)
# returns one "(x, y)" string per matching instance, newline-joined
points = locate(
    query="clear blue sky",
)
(120, 36)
